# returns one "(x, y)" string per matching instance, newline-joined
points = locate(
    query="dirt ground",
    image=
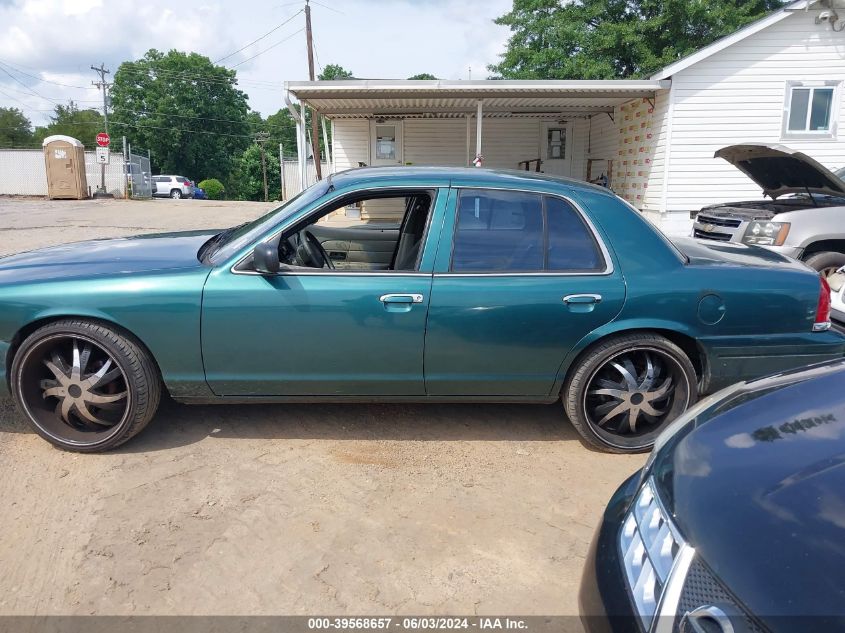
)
(294, 509)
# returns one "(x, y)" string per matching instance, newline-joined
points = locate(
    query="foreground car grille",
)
(729, 222)
(649, 545)
(702, 588)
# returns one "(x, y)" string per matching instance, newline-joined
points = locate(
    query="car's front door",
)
(318, 332)
(520, 278)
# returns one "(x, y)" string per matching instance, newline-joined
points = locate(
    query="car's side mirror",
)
(265, 259)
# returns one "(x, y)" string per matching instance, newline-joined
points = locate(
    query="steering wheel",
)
(315, 251)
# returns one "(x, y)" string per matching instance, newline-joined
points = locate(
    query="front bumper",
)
(603, 599)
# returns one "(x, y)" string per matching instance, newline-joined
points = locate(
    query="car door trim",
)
(608, 261)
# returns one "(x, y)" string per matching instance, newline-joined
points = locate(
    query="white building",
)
(777, 80)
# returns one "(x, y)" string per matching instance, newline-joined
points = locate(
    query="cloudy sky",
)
(48, 46)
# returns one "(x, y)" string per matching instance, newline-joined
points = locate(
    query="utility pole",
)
(261, 138)
(104, 86)
(315, 130)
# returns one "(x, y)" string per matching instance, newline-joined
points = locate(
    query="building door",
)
(556, 148)
(386, 143)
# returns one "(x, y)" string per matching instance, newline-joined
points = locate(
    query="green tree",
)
(213, 188)
(248, 180)
(185, 110)
(71, 121)
(334, 71)
(15, 128)
(423, 76)
(611, 39)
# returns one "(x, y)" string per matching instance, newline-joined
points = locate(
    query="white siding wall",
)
(603, 139)
(505, 142)
(653, 200)
(350, 143)
(436, 141)
(737, 95)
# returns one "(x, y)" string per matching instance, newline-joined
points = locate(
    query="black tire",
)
(826, 262)
(129, 376)
(176, 194)
(591, 380)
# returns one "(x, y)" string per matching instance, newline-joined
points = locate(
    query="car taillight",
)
(823, 308)
(189, 183)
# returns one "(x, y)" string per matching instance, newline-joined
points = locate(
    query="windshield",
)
(840, 173)
(225, 244)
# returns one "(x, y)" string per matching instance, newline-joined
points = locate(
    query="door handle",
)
(399, 298)
(581, 299)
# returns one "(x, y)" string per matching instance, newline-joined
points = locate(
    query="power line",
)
(249, 59)
(270, 32)
(30, 95)
(325, 6)
(176, 129)
(182, 76)
(46, 81)
(19, 101)
(40, 96)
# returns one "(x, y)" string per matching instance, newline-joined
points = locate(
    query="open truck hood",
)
(780, 170)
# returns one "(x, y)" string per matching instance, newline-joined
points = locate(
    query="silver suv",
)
(172, 187)
(807, 223)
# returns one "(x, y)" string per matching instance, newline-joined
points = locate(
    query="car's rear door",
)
(520, 278)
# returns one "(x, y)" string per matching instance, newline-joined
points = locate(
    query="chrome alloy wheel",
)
(635, 392)
(73, 389)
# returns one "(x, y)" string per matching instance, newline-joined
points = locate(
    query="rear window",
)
(511, 231)
(571, 244)
(181, 179)
(498, 231)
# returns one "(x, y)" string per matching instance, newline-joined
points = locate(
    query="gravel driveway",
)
(292, 509)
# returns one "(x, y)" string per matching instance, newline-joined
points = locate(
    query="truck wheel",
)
(826, 262)
(84, 387)
(624, 391)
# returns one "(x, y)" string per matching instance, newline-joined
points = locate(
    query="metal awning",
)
(365, 98)
(389, 98)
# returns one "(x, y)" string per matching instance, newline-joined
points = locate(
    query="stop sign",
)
(103, 139)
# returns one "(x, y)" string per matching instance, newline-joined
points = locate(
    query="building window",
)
(811, 109)
(386, 142)
(556, 142)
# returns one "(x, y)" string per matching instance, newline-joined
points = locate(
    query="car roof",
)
(458, 175)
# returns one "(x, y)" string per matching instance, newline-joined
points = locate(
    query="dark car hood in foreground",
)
(759, 491)
(123, 255)
(779, 170)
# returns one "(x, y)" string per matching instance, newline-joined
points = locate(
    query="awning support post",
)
(303, 175)
(479, 159)
(326, 145)
(300, 138)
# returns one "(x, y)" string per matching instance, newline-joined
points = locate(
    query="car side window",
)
(571, 245)
(498, 231)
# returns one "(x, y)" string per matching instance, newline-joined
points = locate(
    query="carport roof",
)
(362, 98)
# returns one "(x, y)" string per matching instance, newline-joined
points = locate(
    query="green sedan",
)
(405, 284)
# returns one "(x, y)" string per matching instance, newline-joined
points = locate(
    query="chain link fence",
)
(139, 178)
